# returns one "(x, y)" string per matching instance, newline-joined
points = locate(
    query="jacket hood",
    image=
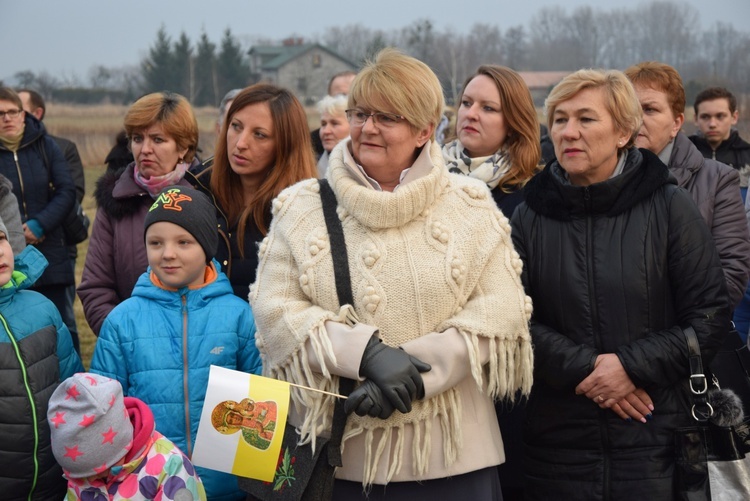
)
(685, 160)
(736, 142)
(550, 195)
(733, 142)
(144, 426)
(196, 298)
(33, 130)
(28, 267)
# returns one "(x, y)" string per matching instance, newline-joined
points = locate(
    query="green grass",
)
(85, 335)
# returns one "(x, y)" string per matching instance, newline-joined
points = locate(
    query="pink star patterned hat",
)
(89, 425)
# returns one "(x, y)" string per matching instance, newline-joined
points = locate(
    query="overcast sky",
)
(67, 37)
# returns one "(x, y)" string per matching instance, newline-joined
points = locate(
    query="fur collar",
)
(550, 195)
(127, 202)
(119, 196)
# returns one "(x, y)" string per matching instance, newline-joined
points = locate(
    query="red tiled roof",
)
(542, 79)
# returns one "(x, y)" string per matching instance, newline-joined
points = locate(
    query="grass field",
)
(85, 335)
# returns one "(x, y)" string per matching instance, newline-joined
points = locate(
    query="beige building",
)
(305, 69)
(540, 83)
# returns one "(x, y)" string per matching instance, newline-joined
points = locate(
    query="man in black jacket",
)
(715, 115)
(33, 104)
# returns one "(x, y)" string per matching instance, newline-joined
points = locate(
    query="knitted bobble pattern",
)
(433, 255)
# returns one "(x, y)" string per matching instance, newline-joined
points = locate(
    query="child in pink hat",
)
(109, 448)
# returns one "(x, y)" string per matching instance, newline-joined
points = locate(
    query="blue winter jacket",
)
(160, 344)
(36, 353)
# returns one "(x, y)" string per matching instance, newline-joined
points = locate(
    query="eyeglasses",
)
(357, 118)
(11, 114)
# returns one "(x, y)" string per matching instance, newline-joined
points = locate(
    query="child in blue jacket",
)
(36, 352)
(181, 319)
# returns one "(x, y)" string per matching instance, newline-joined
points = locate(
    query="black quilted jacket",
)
(616, 267)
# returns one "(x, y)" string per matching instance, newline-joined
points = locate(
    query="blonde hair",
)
(172, 112)
(399, 84)
(620, 98)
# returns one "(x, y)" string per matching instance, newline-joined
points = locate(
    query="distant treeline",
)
(553, 40)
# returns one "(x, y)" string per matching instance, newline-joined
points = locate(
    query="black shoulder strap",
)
(338, 245)
(344, 292)
(701, 409)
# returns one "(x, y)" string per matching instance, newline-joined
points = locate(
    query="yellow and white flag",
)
(242, 424)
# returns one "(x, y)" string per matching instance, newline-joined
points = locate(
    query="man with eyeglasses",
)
(44, 189)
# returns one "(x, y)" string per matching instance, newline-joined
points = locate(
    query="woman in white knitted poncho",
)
(433, 272)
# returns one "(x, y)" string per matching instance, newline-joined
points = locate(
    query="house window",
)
(302, 85)
(316, 60)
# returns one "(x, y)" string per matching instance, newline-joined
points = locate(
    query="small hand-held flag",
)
(242, 424)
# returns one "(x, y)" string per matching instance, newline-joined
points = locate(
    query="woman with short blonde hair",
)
(439, 324)
(620, 99)
(633, 265)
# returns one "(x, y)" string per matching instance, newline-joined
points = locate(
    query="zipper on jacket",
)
(185, 388)
(606, 456)
(20, 182)
(226, 268)
(597, 334)
(34, 422)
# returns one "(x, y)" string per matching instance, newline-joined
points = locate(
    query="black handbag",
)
(301, 474)
(710, 456)
(76, 224)
(731, 366)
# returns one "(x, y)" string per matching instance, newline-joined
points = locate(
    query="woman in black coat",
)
(618, 262)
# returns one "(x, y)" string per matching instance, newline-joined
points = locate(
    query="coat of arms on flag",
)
(242, 424)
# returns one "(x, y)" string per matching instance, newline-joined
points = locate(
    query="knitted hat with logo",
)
(191, 209)
(89, 425)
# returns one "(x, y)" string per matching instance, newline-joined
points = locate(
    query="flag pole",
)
(315, 389)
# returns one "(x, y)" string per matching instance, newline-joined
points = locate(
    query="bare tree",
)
(516, 47)
(451, 60)
(355, 42)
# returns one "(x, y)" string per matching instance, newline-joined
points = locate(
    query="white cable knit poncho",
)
(434, 258)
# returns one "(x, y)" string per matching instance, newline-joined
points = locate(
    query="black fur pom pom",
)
(727, 407)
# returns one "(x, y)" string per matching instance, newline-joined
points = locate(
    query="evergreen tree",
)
(231, 67)
(158, 67)
(183, 66)
(206, 88)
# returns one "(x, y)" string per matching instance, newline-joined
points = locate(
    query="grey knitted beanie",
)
(89, 425)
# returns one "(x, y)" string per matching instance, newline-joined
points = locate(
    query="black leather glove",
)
(368, 400)
(396, 373)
